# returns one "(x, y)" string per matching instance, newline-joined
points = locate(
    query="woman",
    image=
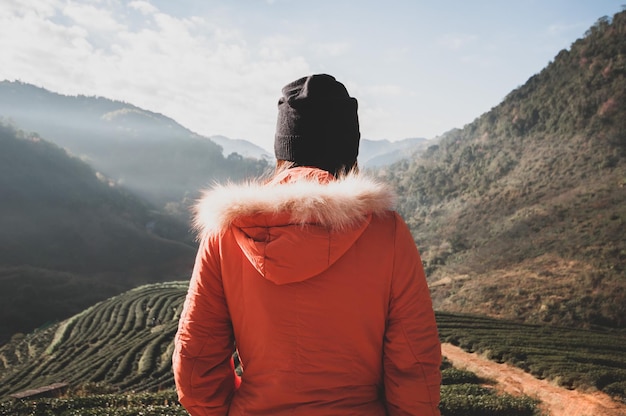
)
(315, 279)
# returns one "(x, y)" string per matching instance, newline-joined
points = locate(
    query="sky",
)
(418, 68)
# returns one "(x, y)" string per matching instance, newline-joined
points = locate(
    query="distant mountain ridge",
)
(377, 153)
(131, 145)
(372, 153)
(147, 152)
(241, 147)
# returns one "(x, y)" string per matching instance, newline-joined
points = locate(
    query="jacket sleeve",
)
(204, 344)
(412, 351)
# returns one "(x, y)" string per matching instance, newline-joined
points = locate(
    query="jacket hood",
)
(297, 224)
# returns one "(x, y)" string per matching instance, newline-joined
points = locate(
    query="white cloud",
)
(205, 77)
(36, 48)
(143, 6)
(97, 19)
(22, 7)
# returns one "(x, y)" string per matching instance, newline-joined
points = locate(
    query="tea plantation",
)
(116, 357)
(573, 358)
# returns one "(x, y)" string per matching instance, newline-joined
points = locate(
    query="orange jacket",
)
(322, 288)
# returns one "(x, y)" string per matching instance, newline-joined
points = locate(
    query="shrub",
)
(456, 376)
(473, 400)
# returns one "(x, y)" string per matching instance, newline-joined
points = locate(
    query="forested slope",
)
(70, 239)
(521, 213)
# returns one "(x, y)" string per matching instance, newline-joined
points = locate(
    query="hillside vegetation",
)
(521, 214)
(69, 239)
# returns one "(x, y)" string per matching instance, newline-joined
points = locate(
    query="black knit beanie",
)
(317, 124)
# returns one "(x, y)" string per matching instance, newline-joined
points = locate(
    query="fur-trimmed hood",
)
(297, 224)
(308, 195)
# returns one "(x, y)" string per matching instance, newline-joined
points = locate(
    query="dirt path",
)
(556, 401)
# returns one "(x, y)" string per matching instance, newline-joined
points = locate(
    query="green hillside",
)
(69, 239)
(521, 214)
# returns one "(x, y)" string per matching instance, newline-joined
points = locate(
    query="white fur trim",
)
(337, 204)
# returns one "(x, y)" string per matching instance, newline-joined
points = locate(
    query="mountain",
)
(521, 214)
(377, 153)
(241, 147)
(372, 153)
(70, 238)
(147, 152)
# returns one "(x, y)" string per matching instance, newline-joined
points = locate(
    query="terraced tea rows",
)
(573, 358)
(125, 341)
(125, 344)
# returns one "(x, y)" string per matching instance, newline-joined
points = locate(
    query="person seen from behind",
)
(313, 277)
